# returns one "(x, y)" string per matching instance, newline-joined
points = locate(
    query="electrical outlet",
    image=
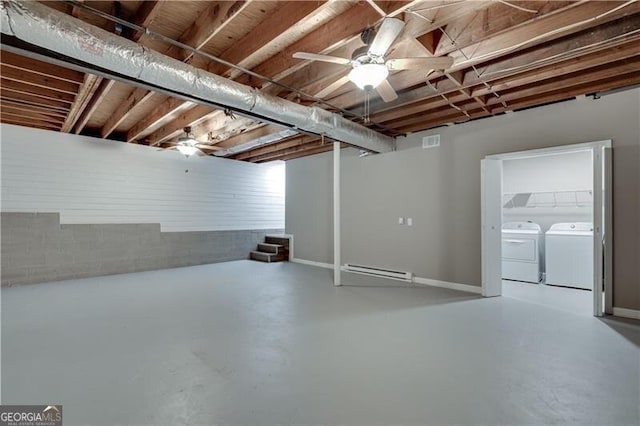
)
(409, 221)
(401, 221)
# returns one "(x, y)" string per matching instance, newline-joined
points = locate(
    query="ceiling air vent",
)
(431, 141)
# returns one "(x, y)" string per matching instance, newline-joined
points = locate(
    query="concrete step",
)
(270, 248)
(267, 257)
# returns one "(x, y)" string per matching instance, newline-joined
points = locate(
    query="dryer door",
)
(519, 248)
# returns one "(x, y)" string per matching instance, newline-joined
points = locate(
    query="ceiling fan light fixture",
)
(368, 75)
(187, 144)
(187, 148)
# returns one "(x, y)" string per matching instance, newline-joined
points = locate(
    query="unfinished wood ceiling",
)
(508, 55)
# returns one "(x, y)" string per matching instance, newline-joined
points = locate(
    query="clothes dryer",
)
(569, 255)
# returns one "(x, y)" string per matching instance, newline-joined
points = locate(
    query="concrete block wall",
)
(37, 248)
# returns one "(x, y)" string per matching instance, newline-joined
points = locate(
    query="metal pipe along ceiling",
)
(41, 26)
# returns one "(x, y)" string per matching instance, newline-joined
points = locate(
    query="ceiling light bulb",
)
(368, 75)
(187, 147)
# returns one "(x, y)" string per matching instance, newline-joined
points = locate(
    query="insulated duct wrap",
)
(39, 25)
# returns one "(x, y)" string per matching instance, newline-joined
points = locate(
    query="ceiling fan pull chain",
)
(366, 106)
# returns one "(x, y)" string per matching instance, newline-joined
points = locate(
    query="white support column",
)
(336, 214)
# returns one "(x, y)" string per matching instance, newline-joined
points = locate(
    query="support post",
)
(336, 214)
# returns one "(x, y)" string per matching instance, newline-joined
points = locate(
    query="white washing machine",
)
(522, 251)
(569, 255)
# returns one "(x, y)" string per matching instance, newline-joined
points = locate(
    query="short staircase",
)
(274, 249)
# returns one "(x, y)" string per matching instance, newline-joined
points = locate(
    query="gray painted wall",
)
(440, 189)
(36, 248)
(309, 196)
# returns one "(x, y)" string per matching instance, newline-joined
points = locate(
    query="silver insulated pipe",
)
(44, 27)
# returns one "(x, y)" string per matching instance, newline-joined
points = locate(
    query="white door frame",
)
(602, 215)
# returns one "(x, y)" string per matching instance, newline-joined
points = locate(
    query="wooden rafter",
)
(506, 59)
(270, 149)
(30, 65)
(189, 118)
(168, 107)
(210, 23)
(96, 100)
(275, 24)
(206, 26)
(287, 15)
(38, 80)
(603, 38)
(145, 15)
(34, 91)
(85, 93)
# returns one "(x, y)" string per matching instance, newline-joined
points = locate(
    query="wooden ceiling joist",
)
(38, 80)
(539, 99)
(20, 106)
(270, 156)
(275, 149)
(302, 153)
(207, 25)
(30, 65)
(33, 103)
(266, 32)
(137, 98)
(507, 56)
(210, 23)
(17, 90)
(547, 28)
(31, 115)
(601, 40)
(144, 16)
(167, 108)
(607, 56)
(286, 16)
(82, 99)
(190, 118)
(96, 100)
(327, 37)
(25, 121)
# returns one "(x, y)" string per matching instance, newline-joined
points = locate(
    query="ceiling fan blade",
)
(323, 58)
(386, 35)
(439, 63)
(332, 87)
(205, 147)
(386, 92)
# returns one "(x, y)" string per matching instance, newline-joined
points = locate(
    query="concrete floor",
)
(573, 300)
(244, 343)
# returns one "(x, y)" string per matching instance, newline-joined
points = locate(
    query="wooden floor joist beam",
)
(87, 89)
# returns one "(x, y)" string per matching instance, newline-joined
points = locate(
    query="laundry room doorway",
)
(546, 227)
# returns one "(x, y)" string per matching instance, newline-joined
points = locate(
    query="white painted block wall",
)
(90, 180)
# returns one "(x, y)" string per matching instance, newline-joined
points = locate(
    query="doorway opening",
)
(546, 227)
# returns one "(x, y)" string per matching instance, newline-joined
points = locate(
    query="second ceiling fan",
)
(369, 67)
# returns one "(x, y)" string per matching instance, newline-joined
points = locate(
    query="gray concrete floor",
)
(573, 300)
(244, 343)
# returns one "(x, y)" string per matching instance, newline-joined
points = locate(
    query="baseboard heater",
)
(378, 272)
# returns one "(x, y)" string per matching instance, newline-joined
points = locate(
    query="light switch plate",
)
(401, 221)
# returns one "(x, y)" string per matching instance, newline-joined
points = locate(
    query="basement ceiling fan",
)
(187, 144)
(369, 67)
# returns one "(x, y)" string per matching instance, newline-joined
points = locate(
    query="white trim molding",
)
(446, 284)
(312, 263)
(626, 313)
